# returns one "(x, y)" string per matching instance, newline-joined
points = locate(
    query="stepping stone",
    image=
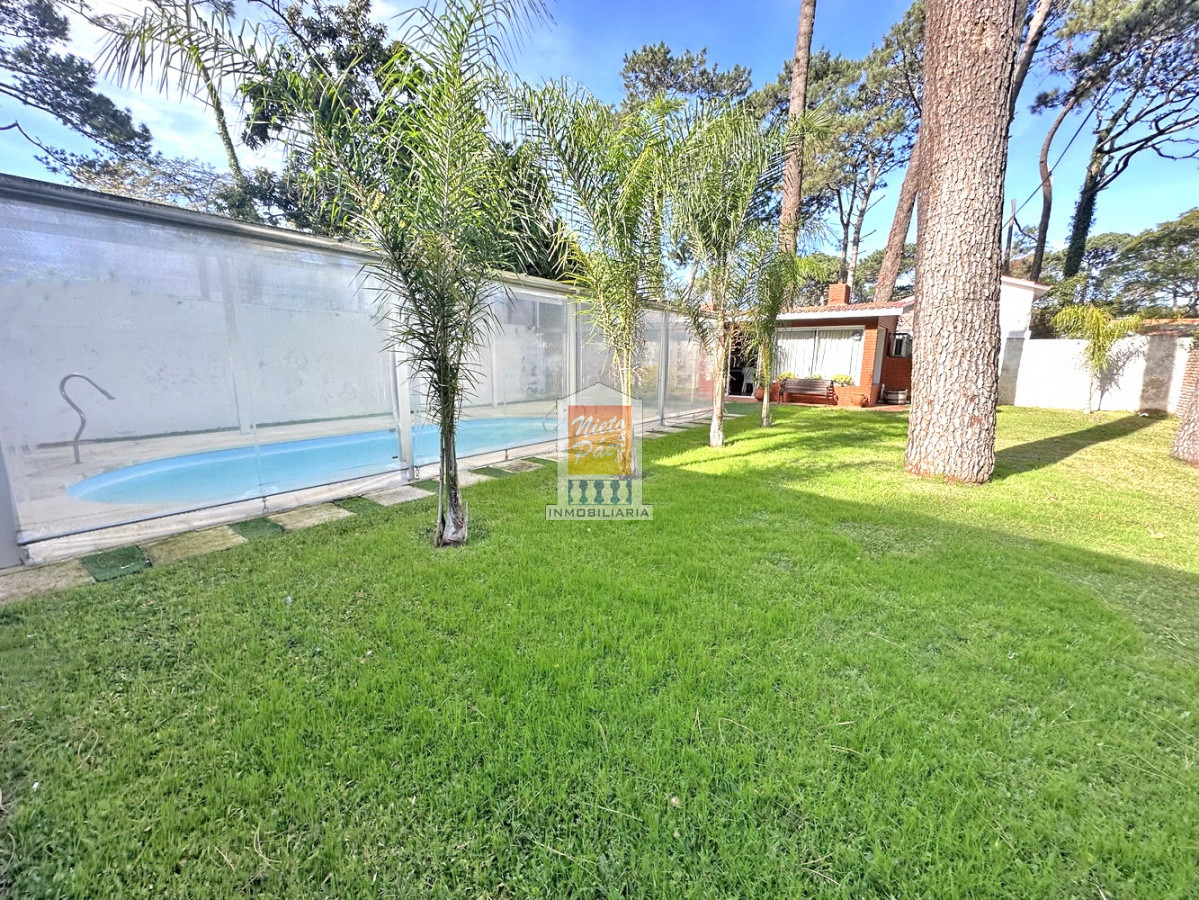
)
(466, 479)
(401, 494)
(515, 466)
(307, 516)
(193, 543)
(357, 505)
(42, 580)
(253, 529)
(116, 563)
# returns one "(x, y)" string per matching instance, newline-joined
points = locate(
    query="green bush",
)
(843, 379)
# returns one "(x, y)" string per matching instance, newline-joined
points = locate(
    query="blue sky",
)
(587, 40)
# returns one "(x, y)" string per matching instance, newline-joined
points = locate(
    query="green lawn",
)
(809, 675)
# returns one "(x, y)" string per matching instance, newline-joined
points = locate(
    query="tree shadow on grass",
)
(755, 643)
(1033, 455)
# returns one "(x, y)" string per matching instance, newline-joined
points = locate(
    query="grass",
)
(808, 675)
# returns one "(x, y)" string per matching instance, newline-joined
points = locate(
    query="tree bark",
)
(1084, 216)
(970, 48)
(1032, 39)
(1186, 441)
(720, 380)
(451, 510)
(765, 377)
(855, 241)
(892, 262)
(1038, 256)
(793, 168)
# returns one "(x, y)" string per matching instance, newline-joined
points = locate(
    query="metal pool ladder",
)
(62, 389)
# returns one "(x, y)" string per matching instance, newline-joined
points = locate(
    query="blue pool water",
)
(246, 472)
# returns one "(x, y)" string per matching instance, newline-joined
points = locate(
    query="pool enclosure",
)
(157, 362)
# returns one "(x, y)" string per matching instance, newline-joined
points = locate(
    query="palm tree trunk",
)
(451, 509)
(1186, 441)
(793, 169)
(765, 377)
(970, 50)
(892, 262)
(720, 381)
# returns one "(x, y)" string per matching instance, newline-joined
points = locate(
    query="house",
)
(872, 343)
(863, 341)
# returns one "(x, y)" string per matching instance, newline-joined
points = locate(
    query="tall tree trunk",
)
(1038, 256)
(970, 45)
(720, 380)
(892, 262)
(1084, 217)
(843, 269)
(893, 255)
(793, 168)
(1007, 249)
(765, 377)
(855, 242)
(451, 509)
(1037, 21)
(1186, 442)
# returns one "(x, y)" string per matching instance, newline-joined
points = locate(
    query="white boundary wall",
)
(1050, 373)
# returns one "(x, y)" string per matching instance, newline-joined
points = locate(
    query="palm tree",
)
(725, 167)
(607, 169)
(1102, 332)
(778, 281)
(725, 163)
(428, 192)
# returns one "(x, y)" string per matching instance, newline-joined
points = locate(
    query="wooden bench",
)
(816, 388)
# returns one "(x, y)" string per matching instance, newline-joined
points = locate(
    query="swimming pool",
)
(242, 473)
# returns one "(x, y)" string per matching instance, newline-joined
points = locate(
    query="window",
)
(819, 352)
(901, 345)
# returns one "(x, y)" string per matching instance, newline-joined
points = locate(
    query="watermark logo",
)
(599, 457)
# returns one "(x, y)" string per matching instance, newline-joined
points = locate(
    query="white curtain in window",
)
(795, 352)
(838, 352)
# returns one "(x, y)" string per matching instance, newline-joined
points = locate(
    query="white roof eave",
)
(843, 312)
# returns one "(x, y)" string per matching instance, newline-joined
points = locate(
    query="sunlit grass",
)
(808, 675)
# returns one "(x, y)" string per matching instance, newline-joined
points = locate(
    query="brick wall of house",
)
(897, 373)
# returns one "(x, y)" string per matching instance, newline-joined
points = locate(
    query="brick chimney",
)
(838, 294)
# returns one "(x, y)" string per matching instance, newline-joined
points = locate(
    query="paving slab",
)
(42, 580)
(307, 516)
(193, 543)
(254, 529)
(466, 479)
(357, 505)
(516, 466)
(402, 494)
